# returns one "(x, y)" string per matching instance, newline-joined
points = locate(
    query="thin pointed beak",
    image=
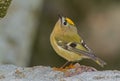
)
(60, 17)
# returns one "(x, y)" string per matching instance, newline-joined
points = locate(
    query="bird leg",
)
(65, 67)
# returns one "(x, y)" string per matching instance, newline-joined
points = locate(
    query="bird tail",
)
(89, 55)
(99, 61)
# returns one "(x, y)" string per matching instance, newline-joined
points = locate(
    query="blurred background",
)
(26, 28)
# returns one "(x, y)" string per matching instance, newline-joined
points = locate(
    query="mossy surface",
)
(4, 4)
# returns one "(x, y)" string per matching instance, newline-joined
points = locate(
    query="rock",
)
(43, 73)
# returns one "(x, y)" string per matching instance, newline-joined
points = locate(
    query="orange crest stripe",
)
(70, 21)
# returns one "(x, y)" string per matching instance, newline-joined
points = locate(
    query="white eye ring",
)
(65, 22)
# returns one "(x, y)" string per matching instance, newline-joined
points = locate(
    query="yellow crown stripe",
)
(70, 21)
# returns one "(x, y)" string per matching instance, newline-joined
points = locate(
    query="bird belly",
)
(68, 55)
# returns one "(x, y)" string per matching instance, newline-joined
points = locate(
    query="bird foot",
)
(78, 69)
(75, 69)
(71, 66)
(59, 69)
(64, 69)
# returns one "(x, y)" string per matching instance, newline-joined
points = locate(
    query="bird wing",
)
(76, 48)
(85, 46)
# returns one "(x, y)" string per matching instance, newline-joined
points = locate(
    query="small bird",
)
(67, 43)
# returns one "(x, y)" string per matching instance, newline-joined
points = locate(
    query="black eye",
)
(65, 22)
(73, 45)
